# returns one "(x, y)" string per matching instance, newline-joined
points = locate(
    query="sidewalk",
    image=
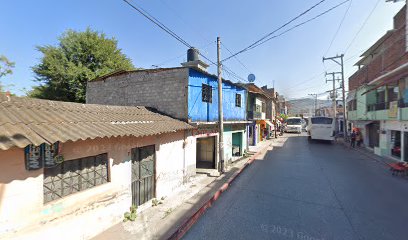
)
(178, 213)
(368, 153)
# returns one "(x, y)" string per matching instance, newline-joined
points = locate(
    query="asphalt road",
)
(310, 191)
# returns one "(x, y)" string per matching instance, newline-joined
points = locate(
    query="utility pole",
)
(315, 103)
(334, 92)
(220, 113)
(341, 63)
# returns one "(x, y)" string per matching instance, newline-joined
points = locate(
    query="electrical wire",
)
(338, 28)
(157, 23)
(236, 58)
(300, 24)
(169, 31)
(362, 26)
(274, 31)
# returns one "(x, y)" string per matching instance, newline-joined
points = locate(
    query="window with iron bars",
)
(206, 93)
(73, 176)
(237, 100)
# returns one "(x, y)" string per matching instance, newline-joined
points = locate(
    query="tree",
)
(6, 67)
(79, 57)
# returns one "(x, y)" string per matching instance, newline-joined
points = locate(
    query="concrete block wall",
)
(162, 89)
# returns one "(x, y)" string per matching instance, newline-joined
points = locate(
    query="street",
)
(310, 191)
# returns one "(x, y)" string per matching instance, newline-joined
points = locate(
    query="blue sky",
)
(289, 61)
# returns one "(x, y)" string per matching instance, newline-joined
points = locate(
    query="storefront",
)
(396, 144)
(235, 143)
(206, 137)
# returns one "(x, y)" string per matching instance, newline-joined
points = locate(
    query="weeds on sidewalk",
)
(130, 216)
(167, 212)
(156, 202)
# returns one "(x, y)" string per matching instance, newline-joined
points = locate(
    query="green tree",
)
(6, 67)
(79, 57)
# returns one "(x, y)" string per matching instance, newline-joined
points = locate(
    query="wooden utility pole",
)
(315, 102)
(220, 113)
(334, 93)
(341, 63)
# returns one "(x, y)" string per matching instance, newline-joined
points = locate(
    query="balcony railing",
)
(402, 103)
(254, 115)
(378, 106)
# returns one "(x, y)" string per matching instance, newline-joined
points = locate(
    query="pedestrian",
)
(353, 139)
(358, 139)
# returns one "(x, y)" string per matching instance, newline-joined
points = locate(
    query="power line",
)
(339, 27)
(181, 55)
(236, 58)
(269, 37)
(300, 24)
(157, 23)
(362, 26)
(274, 31)
(169, 31)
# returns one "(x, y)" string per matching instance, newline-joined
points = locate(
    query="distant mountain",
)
(305, 106)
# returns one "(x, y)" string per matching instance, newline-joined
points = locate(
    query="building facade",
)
(188, 93)
(259, 127)
(378, 93)
(70, 171)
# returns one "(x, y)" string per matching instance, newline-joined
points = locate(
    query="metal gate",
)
(143, 174)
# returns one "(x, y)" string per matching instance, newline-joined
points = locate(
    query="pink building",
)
(70, 171)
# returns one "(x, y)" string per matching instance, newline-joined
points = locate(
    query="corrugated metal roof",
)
(25, 121)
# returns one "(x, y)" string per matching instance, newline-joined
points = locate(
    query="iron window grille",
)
(206, 93)
(238, 100)
(73, 176)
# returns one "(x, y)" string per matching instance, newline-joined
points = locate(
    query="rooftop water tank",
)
(192, 54)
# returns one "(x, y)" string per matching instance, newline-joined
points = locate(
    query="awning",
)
(389, 77)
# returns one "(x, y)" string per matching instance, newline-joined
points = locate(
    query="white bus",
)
(294, 124)
(321, 128)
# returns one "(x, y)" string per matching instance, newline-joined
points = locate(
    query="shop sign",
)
(50, 151)
(393, 111)
(33, 158)
(45, 155)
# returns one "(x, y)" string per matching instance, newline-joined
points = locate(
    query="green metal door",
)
(143, 174)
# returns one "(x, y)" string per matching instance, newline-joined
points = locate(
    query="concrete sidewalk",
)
(176, 214)
(385, 161)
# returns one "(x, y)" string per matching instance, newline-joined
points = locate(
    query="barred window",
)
(263, 107)
(206, 93)
(73, 176)
(238, 100)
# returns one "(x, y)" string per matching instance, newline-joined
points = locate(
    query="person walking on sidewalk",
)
(353, 139)
(358, 139)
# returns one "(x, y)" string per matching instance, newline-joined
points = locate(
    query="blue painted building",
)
(188, 93)
(203, 110)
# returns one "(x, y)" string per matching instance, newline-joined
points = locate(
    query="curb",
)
(182, 230)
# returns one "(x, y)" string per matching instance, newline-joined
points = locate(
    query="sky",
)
(291, 63)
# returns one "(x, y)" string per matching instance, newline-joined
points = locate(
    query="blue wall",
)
(199, 111)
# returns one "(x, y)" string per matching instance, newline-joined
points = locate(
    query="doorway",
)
(205, 153)
(237, 144)
(143, 174)
(373, 135)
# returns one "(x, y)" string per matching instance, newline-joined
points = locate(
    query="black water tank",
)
(192, 54)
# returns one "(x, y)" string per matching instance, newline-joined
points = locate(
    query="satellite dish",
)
(251, 78)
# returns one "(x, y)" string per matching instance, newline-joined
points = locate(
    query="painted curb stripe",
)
(182, 230)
